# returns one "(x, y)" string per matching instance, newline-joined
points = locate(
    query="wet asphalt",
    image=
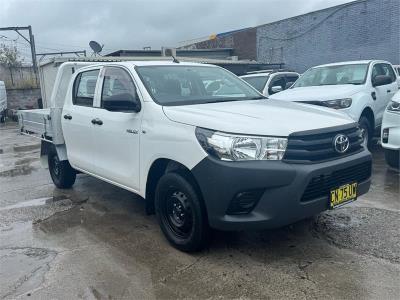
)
(95, 241)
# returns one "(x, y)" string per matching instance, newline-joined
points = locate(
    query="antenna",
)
(95, 47)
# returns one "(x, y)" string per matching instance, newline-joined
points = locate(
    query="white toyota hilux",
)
(201, 146)
(361, 89)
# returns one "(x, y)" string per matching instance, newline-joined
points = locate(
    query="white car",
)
(390, 137)
(361, 89)
(271, 82)
(202, 154)
(3, 102)
(397, 69)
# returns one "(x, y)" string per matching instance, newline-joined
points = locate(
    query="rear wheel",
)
(180, 213)
(61, 172)
(367, 132)
(393, 158)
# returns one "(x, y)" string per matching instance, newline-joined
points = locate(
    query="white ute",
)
(202, 147)
(390, 137)
(361, 89)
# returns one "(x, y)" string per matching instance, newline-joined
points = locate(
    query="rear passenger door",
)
(76, 119)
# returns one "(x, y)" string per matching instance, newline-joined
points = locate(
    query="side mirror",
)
(122, 103)
(276, 89)
(289, 84)
(381, 80)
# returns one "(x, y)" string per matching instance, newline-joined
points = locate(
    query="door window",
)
(383, 69)
(84, 88)
(118, 90)
(290, 79)
(278, 80)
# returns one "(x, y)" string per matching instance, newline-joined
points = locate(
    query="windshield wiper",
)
(257, 98)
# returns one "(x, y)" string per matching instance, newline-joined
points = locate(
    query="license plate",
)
(343, 194)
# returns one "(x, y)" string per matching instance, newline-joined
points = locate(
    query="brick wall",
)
(368, 29)
(23, 98)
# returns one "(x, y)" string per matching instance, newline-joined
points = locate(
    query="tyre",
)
(393, 158)
(367, 131)
(181, 213)
(61, 172)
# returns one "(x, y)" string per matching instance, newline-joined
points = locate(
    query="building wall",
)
(365, 29)
(23, 98)
(243, 43)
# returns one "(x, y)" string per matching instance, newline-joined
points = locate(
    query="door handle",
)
(97, 121)
(388, 91)
(67, 117)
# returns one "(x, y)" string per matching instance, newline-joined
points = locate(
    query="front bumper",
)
(282, 184)
(391, 122)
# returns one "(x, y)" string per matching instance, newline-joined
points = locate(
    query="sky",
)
(69, 25)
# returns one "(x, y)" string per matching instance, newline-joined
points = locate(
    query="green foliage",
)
(9, 56)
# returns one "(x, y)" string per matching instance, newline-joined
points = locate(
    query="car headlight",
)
(235, 147)
(393, 107)
(338, 103)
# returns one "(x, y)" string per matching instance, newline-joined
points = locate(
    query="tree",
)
(10, 58)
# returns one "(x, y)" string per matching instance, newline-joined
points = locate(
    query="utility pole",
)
(31, 42)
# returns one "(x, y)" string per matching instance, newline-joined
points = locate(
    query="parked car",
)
(3, 102)
(200, 157)
(397, 69)
(390, 137)
(361, 89)
(271, 82)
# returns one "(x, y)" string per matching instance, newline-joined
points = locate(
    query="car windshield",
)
(333, 75)
(183, 85)
(258, 82)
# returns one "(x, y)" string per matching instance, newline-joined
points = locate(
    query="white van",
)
(3, 102)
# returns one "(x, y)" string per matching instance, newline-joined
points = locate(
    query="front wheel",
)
(392, 158)
(61, 172)
(366, 130)
(181, 213)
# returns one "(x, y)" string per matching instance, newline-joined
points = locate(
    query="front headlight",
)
(338, 103)
(393, 107)
(232, 147)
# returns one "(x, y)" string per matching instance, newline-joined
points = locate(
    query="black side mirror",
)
(379, 80)
(122, 103)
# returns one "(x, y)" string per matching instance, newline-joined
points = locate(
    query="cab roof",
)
(353, 62)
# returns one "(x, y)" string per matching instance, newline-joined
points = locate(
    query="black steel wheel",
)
(367, 131)
(61, 172)
(180, 213)
(392, 158)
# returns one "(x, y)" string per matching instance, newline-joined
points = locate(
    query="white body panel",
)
(391, 120)
(361, 95)
(270, 81)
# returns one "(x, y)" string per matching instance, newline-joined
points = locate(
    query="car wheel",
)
(180, 213)
(366, 130)
(393, 158)
(61, 172)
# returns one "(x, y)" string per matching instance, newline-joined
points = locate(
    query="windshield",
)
(333, 75)
(258, 82)
(183, 85)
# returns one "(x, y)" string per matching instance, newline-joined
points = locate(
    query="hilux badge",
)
(341, 143)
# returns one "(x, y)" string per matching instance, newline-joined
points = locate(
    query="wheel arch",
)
(158, 168)
(369, 114)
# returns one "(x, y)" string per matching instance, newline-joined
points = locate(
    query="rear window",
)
(258, 82)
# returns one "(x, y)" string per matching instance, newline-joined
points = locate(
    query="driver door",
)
(117, 130)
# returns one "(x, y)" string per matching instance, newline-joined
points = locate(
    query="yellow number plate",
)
(343, 194)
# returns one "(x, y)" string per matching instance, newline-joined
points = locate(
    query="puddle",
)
(19, 170)
(25, 148)
(33, 202)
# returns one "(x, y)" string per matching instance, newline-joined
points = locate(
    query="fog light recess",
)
(244, 202)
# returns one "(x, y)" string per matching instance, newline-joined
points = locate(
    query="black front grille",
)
(320, 186)
(315, 146)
